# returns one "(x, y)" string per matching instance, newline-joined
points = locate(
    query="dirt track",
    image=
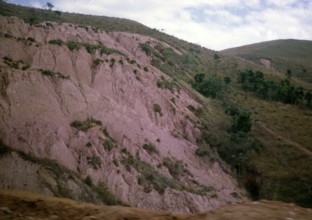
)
(295, 144)
(26, 205)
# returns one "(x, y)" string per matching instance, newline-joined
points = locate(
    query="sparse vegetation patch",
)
(86, 125)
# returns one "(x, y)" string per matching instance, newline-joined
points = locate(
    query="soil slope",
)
(91, 101)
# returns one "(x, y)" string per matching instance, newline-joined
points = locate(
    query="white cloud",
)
(216, 24)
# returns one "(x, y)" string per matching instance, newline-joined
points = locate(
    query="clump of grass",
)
(176, 168)
(96, 62)
(147, 49)
(4, 149)
(132, 62)
(106, 195)
(56, 42)
(150, 148)
(73, 45)
(88, 144)
(85, 125)
(14, 64)
(88, 181)
(157, 109)
(149, 176)
(108, 144)
(163, 83)
(52, 74)
(95, 161)
(112, 60)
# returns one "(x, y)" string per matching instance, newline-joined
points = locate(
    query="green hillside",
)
(293, 55)
(256, 120)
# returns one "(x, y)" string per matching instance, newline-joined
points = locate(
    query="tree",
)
(308, 98)
(241, 119)
(49, 5)
(289, 73)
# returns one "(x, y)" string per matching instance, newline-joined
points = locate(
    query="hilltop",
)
(283, 55)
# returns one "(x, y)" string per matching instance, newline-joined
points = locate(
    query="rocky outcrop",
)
(92, 101)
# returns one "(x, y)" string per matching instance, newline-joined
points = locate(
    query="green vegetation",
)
(53, 74)
(15, 64)
(241, 118)
(109, 144)
(4, 149)
(112, 62)
(88, 181)
(176, 168)
(283, 91)
(284, 55)
(157, 109)
(212, 86)
(149, 176)
(58, 42)
(147, 49)
(86, 125)
(150, 148)
(95, 161)
(88, 144)
(96, 62)
(106, 196)
(163, 83)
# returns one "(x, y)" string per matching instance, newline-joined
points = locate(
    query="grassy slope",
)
(295, 55)
(281, 169)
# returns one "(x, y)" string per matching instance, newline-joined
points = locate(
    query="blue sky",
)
(215, 24)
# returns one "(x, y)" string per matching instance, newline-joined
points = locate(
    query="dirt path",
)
(295, 144)
(20, 205)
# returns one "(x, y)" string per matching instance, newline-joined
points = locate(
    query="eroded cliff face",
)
(92, 101)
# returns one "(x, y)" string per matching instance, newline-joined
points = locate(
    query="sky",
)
(215, 24)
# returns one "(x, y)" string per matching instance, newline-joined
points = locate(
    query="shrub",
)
(95, 161)
(88, 144)
(97, 62)
(109, 144)
(88, 181)
(150, 148)
(147, 49)
(52, 74)
(4, 149)
(56, 42)
(85, 125)
(106, 196)
(145, 69)
(72, 45)
(202, 151)
(163, 83)
(212, 86)
(176, 168)
(241, 118)
(157, 109)
(191, 108)
(112, 60)
(149, 175)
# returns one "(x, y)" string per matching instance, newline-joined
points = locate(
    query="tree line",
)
(283, 91)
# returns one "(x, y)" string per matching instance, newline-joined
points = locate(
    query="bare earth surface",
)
(26, 205)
